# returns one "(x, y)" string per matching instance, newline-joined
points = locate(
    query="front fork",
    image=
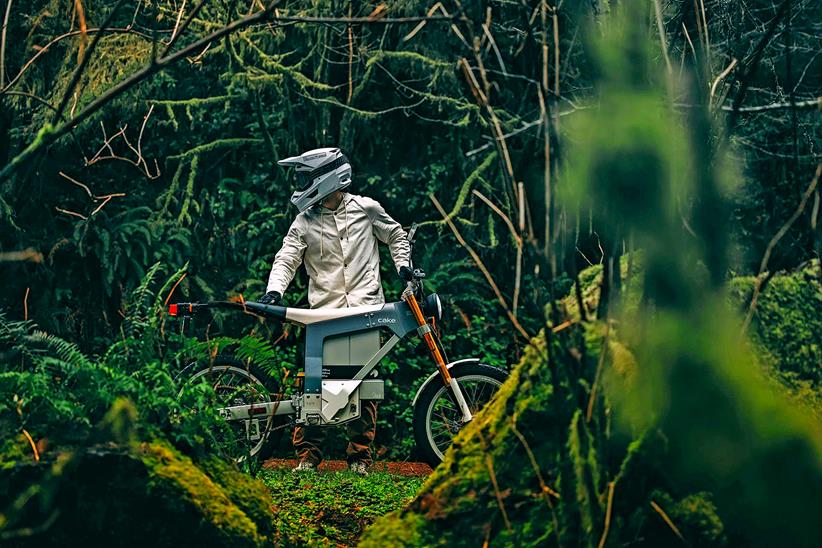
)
(424, 330)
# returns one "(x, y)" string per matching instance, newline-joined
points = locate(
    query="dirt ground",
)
(418, 469)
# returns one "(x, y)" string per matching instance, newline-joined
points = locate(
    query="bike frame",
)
(401, 318)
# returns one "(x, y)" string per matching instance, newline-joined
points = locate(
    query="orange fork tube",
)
(429, 339)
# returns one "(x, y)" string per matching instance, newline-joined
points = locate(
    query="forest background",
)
(180, 167)
(139, 143)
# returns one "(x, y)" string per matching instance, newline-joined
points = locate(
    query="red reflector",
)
(172, 309)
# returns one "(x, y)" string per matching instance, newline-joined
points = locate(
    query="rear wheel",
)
(437, 417)
(235, 383)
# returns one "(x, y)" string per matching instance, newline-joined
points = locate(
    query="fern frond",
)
(66, 353)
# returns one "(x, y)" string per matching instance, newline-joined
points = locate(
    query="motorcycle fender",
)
(436, 375)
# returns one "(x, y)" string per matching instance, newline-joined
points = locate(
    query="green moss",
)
(149, 494)
(397, 529)
(694, 516)
(250, 495)
(174, 475)
(333, 508)
(787, 324)
(14, 451)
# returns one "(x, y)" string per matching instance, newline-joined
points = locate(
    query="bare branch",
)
(776, 106)
(26, 308)
(609, 507)
(46, 48)
(517, 131)
(763, 266)
(78, 73)
(104, 199)
(78, 183)
(658, 509)
(3, 45)
(481, 266)
(72, 213)
(662, 37)
(722, 75)
(752, 63)
(179, 32)
(177, 22)
(29, 254)
(499, 212)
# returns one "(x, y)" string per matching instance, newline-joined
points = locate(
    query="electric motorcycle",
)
(343, 348)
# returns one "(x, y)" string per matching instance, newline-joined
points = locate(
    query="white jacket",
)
(339, 250)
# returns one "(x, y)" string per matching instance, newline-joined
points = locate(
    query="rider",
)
(335, 236)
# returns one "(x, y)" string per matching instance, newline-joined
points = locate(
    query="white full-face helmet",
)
(319, 172)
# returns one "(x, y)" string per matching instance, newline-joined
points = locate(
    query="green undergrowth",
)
(332, 509)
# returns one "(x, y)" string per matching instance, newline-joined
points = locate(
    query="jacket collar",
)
(340, 208)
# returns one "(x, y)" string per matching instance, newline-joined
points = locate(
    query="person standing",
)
(336, 236)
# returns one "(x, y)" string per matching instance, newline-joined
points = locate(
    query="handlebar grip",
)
(181, 309)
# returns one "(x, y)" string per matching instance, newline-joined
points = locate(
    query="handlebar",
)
(266, 310)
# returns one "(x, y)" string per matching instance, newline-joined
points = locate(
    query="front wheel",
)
(437, 417)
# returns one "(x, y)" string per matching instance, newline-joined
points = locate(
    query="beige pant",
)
(308, 439)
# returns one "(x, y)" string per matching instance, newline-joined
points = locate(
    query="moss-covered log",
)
(147, 494)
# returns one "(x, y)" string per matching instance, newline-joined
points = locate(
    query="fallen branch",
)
(658, 509)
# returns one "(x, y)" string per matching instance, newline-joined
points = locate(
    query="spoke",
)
(473, 397)
(446, 405)
(478, 400)
(440, 429)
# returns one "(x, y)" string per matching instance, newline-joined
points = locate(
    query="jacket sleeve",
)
(287, 260)
(388, 231)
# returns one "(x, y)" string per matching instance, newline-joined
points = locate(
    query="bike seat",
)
(306, 316)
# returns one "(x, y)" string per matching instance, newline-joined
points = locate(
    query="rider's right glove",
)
(272, 297)
(406, 274)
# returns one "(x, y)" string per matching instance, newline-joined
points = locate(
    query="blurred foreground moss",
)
(123, 492)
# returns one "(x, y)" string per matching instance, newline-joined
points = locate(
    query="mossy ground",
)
(332, 508)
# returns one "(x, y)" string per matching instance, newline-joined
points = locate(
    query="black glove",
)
(406, 274)
(272, 297)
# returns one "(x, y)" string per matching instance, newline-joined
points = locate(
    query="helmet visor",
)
(303, 179)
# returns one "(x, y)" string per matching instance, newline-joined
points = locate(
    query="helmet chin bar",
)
(307, 199)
